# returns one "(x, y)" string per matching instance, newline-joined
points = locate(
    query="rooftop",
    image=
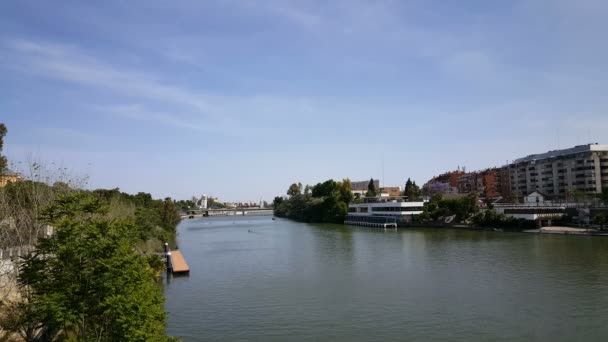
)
(564, 152)
(9, 172)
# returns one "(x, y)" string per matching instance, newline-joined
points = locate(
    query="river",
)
(255, 279)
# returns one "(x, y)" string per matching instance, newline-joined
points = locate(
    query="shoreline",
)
(561, 230)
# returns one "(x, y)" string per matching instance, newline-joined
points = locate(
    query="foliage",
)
(601, 219)
(185, 205)
(411, 190)
(462, 208)
(154, 219)
(277, 201)
(604, 195)
(490, 218)
(21, 203)
(576, 195)
(86, 282)
(371, 189)
(325, 202)
(294, 189)
(213, 204)
(3, 162)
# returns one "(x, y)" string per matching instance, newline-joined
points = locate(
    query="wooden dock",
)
(178, 263)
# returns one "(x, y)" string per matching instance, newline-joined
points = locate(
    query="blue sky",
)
(239, 99)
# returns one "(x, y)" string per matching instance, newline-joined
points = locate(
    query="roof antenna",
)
(382, 171)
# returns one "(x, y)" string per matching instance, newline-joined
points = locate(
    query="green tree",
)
(86, 282)
(604, 195)
(411, 190)
(169, 215)
(328, 202)
(294, 189)
(415, 192)
(277, 201)
(408, 187)
(601, 219)
(345, 188)
(371, 189)
(325, 189)
(3, 162)
(577, 195)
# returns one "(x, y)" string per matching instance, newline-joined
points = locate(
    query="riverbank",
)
(566, 231)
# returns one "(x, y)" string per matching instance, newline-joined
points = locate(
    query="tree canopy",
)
(371, 189)
(87, 282)
(411, 190)
(325, 202)
(294, 189)
(3, 162)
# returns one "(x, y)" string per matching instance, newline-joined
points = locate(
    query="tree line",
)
(323, 202)
(96, 277)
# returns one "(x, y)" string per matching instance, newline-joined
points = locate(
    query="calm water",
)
(287, 281)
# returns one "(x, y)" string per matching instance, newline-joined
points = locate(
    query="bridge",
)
(229, 212)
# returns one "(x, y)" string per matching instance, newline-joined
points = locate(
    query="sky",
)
(238, 99)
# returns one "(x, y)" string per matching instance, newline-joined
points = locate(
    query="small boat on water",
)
(273, 218)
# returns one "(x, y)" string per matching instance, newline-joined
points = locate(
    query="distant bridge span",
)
(230, 212)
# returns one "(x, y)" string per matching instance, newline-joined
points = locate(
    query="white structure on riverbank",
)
(535, 208)
(382, 211)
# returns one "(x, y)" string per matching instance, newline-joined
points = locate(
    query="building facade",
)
(9, 177)
(360, 187)
(391, 191)
(446, 183)
(383, 210)
(562, 173)
(485, 183)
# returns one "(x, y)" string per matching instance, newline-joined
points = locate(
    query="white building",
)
(535, 208)
(203, 203)
(382, 211)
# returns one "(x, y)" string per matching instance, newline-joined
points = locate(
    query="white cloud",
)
(188, 109)
(69, 64)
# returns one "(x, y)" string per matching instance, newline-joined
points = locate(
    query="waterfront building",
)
(536, 207)
(390, 211)
(561, 173)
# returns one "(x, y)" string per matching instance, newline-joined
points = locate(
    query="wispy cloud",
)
(69, 64)
(177, 106)
(138, 112)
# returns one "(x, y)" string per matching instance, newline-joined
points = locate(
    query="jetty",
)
(176, 263)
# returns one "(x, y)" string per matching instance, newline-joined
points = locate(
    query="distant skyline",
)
(239, 99)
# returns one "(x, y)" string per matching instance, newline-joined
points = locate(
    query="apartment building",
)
(560, 173)
(446, 183)
(485, 183)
